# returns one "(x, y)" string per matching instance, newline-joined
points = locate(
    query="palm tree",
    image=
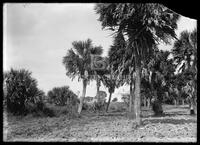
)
(185, 57)
(185, 50)
(111, 84)
(144, 25)
(162, 71)
(122, 67)
(78, 61)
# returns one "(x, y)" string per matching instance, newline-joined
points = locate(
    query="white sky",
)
(37, 36)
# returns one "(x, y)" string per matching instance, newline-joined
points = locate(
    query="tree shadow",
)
(171, 121)
(166, 114)
(161, 118)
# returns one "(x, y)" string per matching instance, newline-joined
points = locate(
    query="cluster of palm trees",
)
(138, 29)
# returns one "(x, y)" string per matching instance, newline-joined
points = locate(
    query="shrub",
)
(126, 98)
(21, 88)
(94, 106)
(114, 100)
(157, 107)
(64, 100)
(99, 106)
(117, 107)
(55, 110)
(85, 106)
(113, 108)
(62, 96)
(40, 109)
(48, 112)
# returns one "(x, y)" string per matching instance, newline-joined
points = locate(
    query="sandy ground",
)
(175, 126)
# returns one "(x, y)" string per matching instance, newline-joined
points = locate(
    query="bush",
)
(20, 89)
(126, 98)
(48, 112)
(99, 106)
(62, 96)
(117, 107)
(157, 107)
(85, 106)
(94, 106)
(63, 101)
(42, 110)
(70, 110)
(113, 108)
(114, 100)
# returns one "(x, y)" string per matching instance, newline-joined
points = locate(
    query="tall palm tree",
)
(145, 25)
(185, 57)
(77, 63)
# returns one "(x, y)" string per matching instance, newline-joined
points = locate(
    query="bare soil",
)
(176, 125)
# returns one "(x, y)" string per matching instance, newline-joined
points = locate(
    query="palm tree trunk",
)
(98, 86)
(145, 101)
(192, 105)
(131, 105)
(108, 102)
(191, 96)
(175, 103)
(178, 101)
(98, 96)
(148, 102)
(131, 97)
(137, 99)
(183, 102)
(83, 96)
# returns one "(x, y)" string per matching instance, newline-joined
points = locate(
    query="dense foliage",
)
(78, 59)
(62, 96)
(22, 91)
(185, 57)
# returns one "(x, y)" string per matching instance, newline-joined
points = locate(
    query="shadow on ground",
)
(171, 121)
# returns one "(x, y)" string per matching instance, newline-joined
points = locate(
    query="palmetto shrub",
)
(62, 96)
(21, 91)
(94, 106)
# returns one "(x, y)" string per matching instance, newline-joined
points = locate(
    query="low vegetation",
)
(22, 97)
(175, 126)
(21, 94)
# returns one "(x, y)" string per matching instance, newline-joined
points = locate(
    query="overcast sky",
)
(37, 36)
